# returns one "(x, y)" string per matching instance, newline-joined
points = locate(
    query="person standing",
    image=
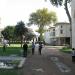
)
(33, 48)
(25, 48)
(40, 47)
(4, 45)
(73, 55)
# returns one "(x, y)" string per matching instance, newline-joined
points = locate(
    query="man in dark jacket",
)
(33, 48)
(40, 47)
(25, 48)
(73, 55)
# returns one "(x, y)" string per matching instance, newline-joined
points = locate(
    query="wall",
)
(65, 28)
(47, 37)
(73, 22)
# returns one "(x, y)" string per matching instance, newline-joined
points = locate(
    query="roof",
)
(52, 27)
(59, 23)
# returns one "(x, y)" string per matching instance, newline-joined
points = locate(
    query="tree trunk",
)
(41, 32)
(9, 42)
(21, 41)
(41, 37)
(69, 17)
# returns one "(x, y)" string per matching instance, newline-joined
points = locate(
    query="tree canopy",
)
(42, 18)
(8, 32)
(20, 30)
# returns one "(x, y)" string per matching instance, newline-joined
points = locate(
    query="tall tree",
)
(29, 35)
(42, 18)
(20, 30)
(65, 4)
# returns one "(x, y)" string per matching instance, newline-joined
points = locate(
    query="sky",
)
(13, 11)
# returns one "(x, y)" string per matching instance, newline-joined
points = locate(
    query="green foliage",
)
(42, 18)
(56, 2)
(20, 29)
(30, 35)
(8, 32)
(62, 3)
(59, 2)
(66, 50)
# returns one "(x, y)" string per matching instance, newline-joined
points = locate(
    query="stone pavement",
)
(51, 62)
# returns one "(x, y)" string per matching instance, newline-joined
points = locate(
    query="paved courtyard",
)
(51, 62)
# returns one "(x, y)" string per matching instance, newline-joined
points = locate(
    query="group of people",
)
(39, 48)
(25, 48)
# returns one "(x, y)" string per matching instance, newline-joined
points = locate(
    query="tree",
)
(65, 3)
(60, 3)
(20, 30)
(42, 18)
(8, 33)
(30, 36)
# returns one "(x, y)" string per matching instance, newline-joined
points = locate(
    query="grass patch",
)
(11, 72)
(10, 50)
(8, 72)
(66, 50)
(13, 49)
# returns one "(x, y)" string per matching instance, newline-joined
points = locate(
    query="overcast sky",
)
(12, 11)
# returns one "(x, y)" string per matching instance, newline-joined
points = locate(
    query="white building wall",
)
(52, 36)
(57, 31)
(51, 32)
(47, 37)
(73, 22)
(65, 28)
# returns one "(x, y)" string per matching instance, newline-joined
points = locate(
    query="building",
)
(59, 34)
(73, 22)
(52, 35)
(62, 33)
(47, 36)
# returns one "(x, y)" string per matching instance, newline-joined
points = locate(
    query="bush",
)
(66, 49)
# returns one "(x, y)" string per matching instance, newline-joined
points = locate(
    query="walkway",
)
(51, 62)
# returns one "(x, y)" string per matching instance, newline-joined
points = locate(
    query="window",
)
(53, 29)
(53, 33)
(61, 31)
(61, 26)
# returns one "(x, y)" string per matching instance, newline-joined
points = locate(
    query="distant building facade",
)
(62, 33)
(47, 37)
(52, 35)
(59, 34)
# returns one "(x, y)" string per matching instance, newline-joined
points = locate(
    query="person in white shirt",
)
(4, 45)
